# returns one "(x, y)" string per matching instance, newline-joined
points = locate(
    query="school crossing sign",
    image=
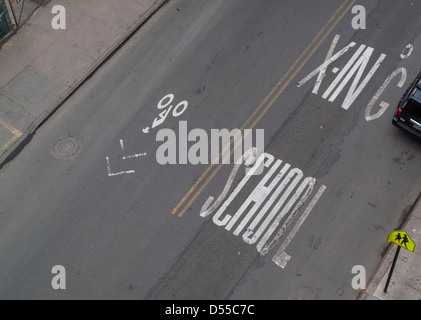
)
(402, 239)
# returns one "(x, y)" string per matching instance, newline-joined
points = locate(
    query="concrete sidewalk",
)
(405, 283)
(40, 67)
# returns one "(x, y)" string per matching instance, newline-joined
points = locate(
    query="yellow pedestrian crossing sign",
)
(402, 239)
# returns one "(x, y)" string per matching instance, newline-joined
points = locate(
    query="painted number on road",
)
(165, 104)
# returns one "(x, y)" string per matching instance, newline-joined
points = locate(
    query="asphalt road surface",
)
(125, 227)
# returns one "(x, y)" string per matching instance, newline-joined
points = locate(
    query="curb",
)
(27, 136)
(384, 265)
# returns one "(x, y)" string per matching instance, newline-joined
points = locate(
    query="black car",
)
(408, 113)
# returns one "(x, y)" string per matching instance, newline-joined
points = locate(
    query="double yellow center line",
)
(267, 102)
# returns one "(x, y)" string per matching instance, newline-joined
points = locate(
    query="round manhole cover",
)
(66, 148)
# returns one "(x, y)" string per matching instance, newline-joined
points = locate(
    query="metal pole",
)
(21, 10)
(15, 24)
(392, 268)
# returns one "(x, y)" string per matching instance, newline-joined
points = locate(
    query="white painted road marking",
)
(384, 105)
(281, 258)
(107, 159)
(265, 160)
(250, 236)
(322, 73)
(258, 197)
(307, 183)
(249, 158)
(353, 67)
(137, 155)
(408, 49)
(110, 174)
(341, 75)
(283, 189)
(179, 109)
(326, 64)
(360, 65)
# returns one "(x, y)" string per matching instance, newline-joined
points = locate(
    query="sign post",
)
(402, 239)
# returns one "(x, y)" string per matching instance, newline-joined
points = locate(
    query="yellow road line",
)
(15, 132)
(7, 126)
(302, 64)
(323, 34)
